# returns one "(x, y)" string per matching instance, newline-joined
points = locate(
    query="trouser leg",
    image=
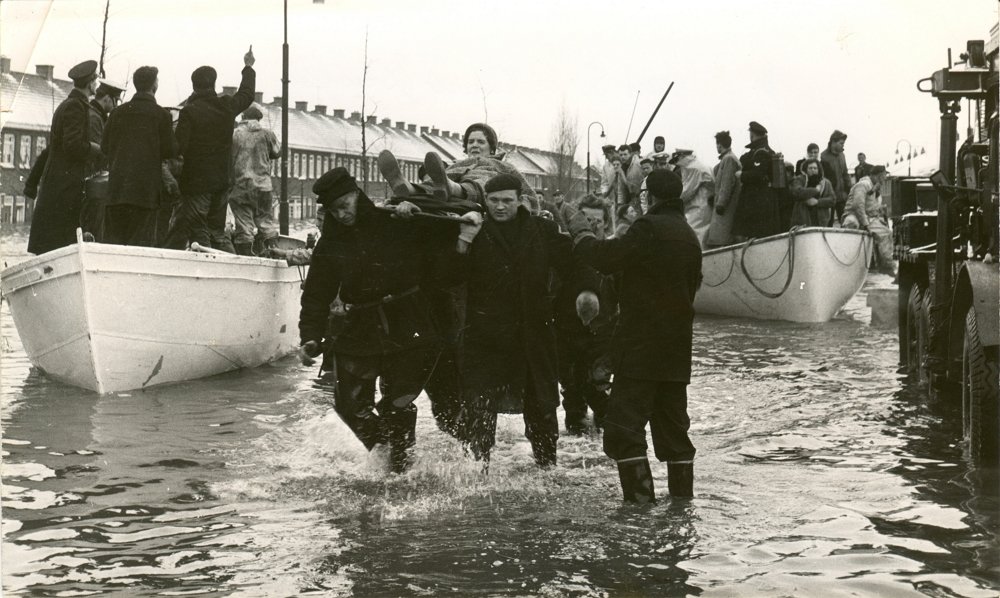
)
(629, 410)
(189, 222)
(404, 376)
(573, 379)
(216, 222)
(241, 202)
(476, 423)
(883, 242)
(444, 391)
(267, 227)
(541, 425)
(354, 399)
(669, 427)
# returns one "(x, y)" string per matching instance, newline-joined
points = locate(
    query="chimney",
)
(301, 105)
(4, 65)
(277, 101)
(372, 119)
(42, 70)
(411, 128)
(386, 122)
(423, 130)
(400, 125)
(456, 135)
(258, 96)
(446, 133)
(319, 109)
(355, 116)
(228, 90)
(434, 132)
(338, 113)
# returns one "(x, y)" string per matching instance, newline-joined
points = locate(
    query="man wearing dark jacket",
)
(204, 141)
(834, 165)
(94, 202)
(72, 158)
(137, 138)
(509, 359)
(659, 261)
(757, 214)
(363, 302)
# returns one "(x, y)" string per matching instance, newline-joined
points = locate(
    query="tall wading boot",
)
(680, 478)
(389, 167)
(444, 187)
(637, 480)
(402, 435)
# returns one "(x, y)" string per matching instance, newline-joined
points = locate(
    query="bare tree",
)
(565, 141)
(104, 39)
(364, 120)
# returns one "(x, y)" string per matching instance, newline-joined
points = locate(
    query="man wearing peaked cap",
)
(756, 127)
(73, 156)
(757, 213)
(92, 214)
(658, 262)
(373, 268)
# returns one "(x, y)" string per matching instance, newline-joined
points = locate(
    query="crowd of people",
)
(468, 284)
(167, 185)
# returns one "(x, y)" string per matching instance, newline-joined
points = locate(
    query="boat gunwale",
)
(797, 232)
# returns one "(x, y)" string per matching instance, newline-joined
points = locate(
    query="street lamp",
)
(909, 154)
(588, 150)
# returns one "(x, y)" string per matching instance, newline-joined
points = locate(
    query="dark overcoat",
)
(137, 138)
(377, 268)
(659, 261)
(757, 214)
(71, 159)
(205, 136)
(509, 340)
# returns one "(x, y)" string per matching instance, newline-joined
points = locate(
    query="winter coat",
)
(633, 178)
(757, 214)
(697, 192)
(509, 340)
(71, 159)
(35, 175)
(864, 203)
(727, 197)
(473, 173)
(378, 267)
(835, 169)
(253, 149)
(205, 136)
(659, 259)
(800, 192)
(137, 138)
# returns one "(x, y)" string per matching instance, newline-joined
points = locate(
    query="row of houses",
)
(318, 139)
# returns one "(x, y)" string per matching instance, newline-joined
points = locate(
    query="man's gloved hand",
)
(470, 227)
(587, 306)
(308, 352)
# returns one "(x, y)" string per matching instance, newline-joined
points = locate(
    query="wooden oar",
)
(446, 217)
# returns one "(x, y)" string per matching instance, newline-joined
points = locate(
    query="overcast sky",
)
(802, 68)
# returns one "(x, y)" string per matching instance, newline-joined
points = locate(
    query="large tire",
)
(911, 332)
(980, 396)
(924, 341)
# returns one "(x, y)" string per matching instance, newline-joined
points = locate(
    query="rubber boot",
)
(637, 481)
(402, 435)
(389, 167)
(576, 423)
(444, 187)
(680, 479)
(244, 248)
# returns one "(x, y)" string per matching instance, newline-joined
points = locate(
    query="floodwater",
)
(820, 472)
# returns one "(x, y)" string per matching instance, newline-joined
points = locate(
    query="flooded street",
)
(820, 472)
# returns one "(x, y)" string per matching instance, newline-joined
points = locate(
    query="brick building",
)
(319, 139)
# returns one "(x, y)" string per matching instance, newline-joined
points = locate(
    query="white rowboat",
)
(805, 275)
(112, 318)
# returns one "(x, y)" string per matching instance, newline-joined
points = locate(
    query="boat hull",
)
(805, 275)
(112, 318)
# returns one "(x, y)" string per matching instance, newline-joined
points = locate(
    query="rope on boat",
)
(861, 249)
(789, 257)
(732, 265)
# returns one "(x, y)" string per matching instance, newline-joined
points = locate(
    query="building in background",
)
(319, 139)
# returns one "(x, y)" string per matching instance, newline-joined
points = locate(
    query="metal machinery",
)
(945, 236)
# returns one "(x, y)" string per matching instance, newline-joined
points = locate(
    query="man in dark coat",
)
(509, 357)
(834, 164)
(35, 174)
(363, 302)
(95, 196)
(72, 157)
(757, 214)
(137, 138)
(659, 260)
(204, 141)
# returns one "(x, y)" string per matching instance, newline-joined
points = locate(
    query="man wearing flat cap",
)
(250, 197)
(757, 214)
(658, 261)
(204, 142)
(364, 307)
(72, 157)
(509, 350)
(834, 164)
(139, 136)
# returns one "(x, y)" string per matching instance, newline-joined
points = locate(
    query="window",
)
(312, 167)
(24, 151)
(7, 158)
(296, 165)
(40, 144)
